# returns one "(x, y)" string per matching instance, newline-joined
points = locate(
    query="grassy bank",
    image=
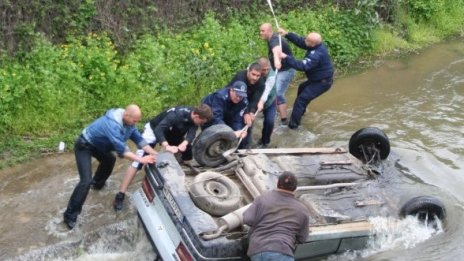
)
(50, 93)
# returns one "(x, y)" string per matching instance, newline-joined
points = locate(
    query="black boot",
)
(118, 201)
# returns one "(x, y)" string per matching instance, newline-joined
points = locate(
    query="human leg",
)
(307, 92)
(104, 169)
(83, 154)
(150, 138)
(268, 124)
(283, 79)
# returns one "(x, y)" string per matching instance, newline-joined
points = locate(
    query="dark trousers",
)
(84, 152)
(268, 123)
(307, 91)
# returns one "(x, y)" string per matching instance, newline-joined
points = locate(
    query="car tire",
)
(369, 138)
(215, 193)
(211, 143)
(424, 207)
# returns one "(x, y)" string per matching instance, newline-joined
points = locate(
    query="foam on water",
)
(391, 233)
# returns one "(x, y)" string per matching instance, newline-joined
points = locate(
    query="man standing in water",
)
(103, 136)
(285, 72)
(317, 67)
(267, 103)
(278, 221)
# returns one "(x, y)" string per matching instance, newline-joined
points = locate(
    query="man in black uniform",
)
(255, 88)
(175, 130)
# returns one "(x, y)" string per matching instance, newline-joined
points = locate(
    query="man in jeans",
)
(103, 136)
(267, 103)
(285, 73)
(278, 221)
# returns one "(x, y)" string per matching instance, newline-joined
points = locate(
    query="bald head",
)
(132, 114)
(313, 39)
(265, 65)
(265, 31)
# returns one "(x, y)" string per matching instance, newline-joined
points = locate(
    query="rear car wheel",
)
(211, 143)
(425, 208)
(369, 144)
(215, 193)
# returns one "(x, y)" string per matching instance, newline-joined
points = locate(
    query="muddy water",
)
(417, 101)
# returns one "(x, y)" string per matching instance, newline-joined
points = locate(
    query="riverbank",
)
(56, 90)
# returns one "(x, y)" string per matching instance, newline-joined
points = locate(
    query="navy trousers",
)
(307, 91)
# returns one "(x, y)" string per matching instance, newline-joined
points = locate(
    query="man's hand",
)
(148, 159)
(283, 55)
(240, 134)
(183, 146)
(248, 118)
(172, 149)
(282, 32)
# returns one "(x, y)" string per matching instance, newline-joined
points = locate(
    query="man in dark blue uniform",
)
(228, 106)
(317, 67)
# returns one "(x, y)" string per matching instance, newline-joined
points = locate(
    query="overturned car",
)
(196, 213)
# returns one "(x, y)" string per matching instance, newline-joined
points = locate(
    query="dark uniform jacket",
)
(254, 91)
(316, 63)
(224, 110)
(174, 124)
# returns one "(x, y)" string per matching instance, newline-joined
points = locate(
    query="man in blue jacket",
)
(317, 67)
(228, 106)
(103, 136)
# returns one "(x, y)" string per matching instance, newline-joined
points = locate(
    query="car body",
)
(196, 213)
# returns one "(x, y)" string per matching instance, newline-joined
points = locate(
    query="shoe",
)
(284, 122)
(262, 146)
(94, 185)
(118, 201)
(69, 223)
(292, 126)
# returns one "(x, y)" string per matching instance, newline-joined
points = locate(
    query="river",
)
(416, 100)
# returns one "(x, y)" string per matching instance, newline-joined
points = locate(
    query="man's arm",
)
(148, 159)
(296, 39)
(310, 61)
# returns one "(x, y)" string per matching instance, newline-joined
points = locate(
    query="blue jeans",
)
(283, 79)
(307, 91)
(271, 256)
(268, 123)
(84, 151)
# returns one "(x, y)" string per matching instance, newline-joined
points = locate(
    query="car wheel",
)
(369, 144)
(215, 193)
(426, 208)
(211, 143)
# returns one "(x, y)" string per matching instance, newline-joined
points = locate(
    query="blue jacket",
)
(108, 133)
(224, 110)
(316, 63)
